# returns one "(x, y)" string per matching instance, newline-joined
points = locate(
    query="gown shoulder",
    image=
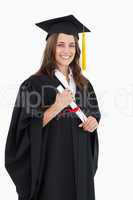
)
(34, 81)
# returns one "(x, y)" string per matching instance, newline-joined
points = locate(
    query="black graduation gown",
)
(57, 161)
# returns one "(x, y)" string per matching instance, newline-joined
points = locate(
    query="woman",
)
(50, 154)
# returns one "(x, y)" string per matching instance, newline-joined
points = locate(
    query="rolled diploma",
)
(73, 105)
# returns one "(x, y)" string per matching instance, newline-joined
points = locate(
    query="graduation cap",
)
(68, 25)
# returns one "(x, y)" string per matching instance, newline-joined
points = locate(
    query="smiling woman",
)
(49, 154)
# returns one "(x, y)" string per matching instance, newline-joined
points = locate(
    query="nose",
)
(66, 49)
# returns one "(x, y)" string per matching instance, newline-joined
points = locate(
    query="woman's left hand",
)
(90, 124)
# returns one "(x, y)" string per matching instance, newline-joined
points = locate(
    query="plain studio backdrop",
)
(109, 68)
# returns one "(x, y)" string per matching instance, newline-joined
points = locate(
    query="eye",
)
(60, 45)
(72, 45)
(63, 45)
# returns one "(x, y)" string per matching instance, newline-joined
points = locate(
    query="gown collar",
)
(71, 84)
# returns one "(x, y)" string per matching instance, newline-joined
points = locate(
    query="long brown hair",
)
(49, 63)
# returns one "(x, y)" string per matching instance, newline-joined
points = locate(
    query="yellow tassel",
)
(83, 51)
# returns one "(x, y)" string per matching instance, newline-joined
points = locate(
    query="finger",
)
(91, 129)
(67, 90)
(58, 94)
(80, 125)
(90, 123)
(86, 124)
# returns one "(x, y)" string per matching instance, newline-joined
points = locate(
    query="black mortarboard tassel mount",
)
(67, 24)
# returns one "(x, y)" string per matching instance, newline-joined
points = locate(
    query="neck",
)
(64, 70)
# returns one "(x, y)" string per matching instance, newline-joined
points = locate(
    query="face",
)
(65, 49)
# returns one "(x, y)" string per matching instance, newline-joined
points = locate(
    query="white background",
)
(109, 68)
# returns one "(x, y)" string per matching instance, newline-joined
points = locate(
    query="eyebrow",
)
(64, 42)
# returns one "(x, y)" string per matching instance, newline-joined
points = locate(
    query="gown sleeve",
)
(93, 106)
(17, 150)
(93, 110)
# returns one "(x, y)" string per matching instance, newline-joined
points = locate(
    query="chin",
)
(66, 63)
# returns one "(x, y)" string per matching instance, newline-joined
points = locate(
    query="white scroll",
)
(73, 105)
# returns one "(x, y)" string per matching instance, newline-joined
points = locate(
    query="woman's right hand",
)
(64, 99)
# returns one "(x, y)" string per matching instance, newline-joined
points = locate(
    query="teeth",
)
(65, 57)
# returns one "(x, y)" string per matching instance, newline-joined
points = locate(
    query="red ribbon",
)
(73, 110)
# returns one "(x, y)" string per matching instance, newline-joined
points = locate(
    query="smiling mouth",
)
(66, 57)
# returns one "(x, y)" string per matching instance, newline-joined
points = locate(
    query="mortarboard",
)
(69, 25)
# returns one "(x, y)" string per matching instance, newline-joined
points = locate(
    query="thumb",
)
(80, 125)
